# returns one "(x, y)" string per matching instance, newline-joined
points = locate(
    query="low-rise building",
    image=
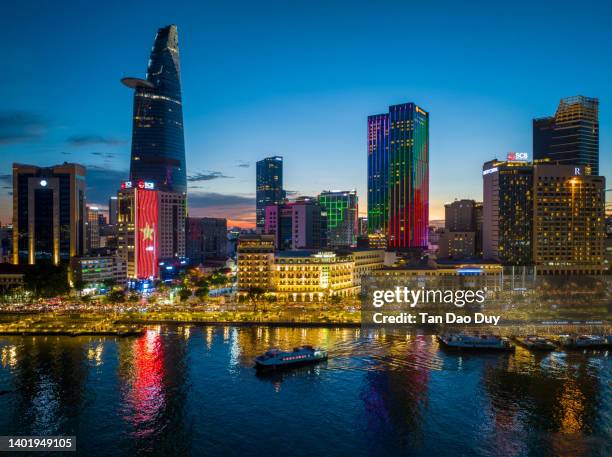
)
(93, 271)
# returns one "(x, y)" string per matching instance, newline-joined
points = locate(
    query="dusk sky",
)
(297, 79)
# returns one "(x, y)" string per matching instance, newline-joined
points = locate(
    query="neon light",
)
(146, 233)
(489, 171)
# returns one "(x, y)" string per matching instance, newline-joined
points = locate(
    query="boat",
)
(277, 359)
(584, 342)
(536, 343)
(483, 342)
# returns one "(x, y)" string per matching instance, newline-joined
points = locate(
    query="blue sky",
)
(296, 79)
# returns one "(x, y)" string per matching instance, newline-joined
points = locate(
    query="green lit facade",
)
(342, 217)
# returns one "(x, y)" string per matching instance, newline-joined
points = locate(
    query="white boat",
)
(303, 355)
(466, 341)
(584, 341)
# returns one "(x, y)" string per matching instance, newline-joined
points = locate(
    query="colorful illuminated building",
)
(49, 213)
(571, 136)
(138, 229)
(158, 145)
(269, 186)
(342, 217)
(398, 176)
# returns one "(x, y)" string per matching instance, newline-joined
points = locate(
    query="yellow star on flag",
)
(147, 232)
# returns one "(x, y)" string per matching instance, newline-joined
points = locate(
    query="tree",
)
(202, 293)
(115, 296)
(254, 294)
(184, 294)
(46, 280)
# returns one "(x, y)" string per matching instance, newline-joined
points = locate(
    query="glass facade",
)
(158, 146)
(269, 186)
(378, 173)
(398, 176)
(342, 217)
(571, 136)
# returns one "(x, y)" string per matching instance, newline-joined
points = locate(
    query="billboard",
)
(147, 239)
(517, 157)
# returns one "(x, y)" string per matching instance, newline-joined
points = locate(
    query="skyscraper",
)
(301, 224)
(206, 239)
(398, 176)
(93, 228)
(342, 217)
(269, 186)
(571, 136)
(569, 226)
(507, 231)
(112, 210)
(49, 213)
(158, 147)
(378, 173)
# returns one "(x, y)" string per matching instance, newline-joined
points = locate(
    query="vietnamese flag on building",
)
(147, 247)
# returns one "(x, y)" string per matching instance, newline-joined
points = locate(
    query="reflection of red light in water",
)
(146, 396)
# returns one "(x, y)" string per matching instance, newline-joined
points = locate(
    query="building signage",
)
(517, 157)
(140, 184)
(489, 171)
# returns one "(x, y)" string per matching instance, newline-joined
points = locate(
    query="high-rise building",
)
(507, 230)
(378, 173)
(158, 146)
(138, 230)
(342, 217)
(206, 239)
(93, 228)
(269, 186)
(571, 136)
(301, 224)
(172, 215)
(569, 220)
(112, 210)
(363, 226)
(49, 213)
(398, 176)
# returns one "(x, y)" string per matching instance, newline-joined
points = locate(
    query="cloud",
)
(237, 209)
(89, 140)
(6, 179)
(206, 199)
(103, 182)
(206, 176)
(18, 126)
(292, 193)
(243, 164)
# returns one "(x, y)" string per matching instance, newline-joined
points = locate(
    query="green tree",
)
(184, 293)
(254, 294)
(115, 296)
(45, 280)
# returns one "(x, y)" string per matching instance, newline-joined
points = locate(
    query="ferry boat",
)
(303, 355)
(584, 342)
(465, 341)
(537, 343)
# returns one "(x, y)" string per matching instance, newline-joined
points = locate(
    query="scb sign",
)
(517, 156)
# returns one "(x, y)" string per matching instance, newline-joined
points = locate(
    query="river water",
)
(191, 391)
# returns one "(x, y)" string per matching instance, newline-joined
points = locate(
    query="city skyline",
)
(236, 97)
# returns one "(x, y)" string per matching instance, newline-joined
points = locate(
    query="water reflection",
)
(193, 391)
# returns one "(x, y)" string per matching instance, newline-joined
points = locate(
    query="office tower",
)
(112, 210)
(206, 239)
(457, 245)
(138, 230)
(172, 214)
(378, 173)
(569, 220)
(158, 147)
(342, 217)
(269, 186)
(508, 212)
(398, 161)
(49, 213)
(571, 136)
(93, 227)
(301, 224)
(460, 216)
